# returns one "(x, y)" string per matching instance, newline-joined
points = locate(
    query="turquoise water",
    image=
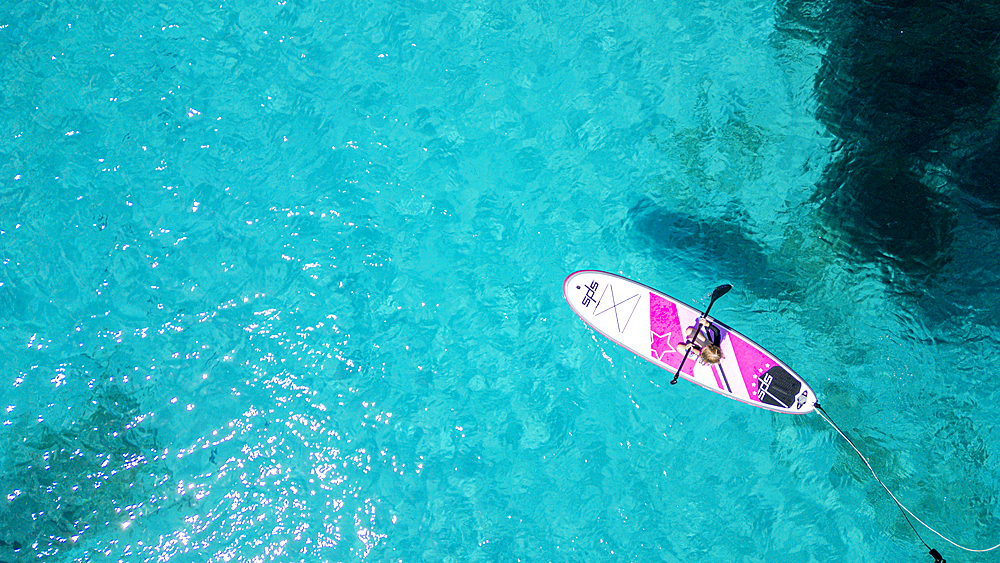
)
(282, 282)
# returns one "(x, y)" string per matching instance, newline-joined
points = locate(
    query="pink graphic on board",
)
(752, 363)
(665, 332)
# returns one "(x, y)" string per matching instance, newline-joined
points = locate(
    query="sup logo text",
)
(590, 296)
(763, 385)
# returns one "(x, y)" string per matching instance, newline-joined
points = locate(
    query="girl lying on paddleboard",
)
(707, 343)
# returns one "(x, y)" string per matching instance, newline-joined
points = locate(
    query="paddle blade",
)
(720, 291)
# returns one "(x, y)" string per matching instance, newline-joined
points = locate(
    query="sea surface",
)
(281, 280)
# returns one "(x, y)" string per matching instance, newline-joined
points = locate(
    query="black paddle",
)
(719, 292)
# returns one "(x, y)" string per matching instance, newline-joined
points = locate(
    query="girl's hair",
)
(711, 354)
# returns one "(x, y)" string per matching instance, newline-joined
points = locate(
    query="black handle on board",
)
(719, 292)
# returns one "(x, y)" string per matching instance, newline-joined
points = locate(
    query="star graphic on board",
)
(660, 344)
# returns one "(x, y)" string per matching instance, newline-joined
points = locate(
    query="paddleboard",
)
(652, 325)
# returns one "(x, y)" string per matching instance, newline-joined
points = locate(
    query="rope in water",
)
(903, 509)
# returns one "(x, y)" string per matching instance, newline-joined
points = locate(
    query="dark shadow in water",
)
(978, 173)
(65, 490)
(725, 246)
(908, 87)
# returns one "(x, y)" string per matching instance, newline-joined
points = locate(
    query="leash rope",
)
(905, 511)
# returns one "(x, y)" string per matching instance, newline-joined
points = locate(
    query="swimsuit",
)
(710, 334)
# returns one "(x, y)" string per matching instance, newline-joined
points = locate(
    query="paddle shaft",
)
(719, 292)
